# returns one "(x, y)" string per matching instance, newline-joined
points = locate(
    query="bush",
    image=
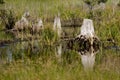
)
(2, 2)
(7, 18)
(118, 4)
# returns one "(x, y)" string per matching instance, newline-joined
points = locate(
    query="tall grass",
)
(41, 63)
(105, 69)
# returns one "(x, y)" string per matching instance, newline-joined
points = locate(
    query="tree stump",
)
(86, 43)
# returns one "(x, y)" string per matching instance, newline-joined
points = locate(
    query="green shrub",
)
(8, 18)
(2, 2)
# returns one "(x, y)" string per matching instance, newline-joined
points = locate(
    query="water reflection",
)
(88, 58)
(9, 55)
(86, 50)
(33, 48)
(58, 50)
(29, 48)
(6, 54)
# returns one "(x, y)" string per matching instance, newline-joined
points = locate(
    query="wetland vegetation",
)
(26, 55)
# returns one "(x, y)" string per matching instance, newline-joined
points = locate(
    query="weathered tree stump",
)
(86, 38)
(36, 27)
(57, 25)
(23, 23)
(86, 43)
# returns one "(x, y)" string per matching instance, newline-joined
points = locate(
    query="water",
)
(9, 55)
(89, 58)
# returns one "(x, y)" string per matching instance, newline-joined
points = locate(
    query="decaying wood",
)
(37, 26)
(77, 22)
(86, 43)
(57, 25)
(82, 43)
(86, 38)
(23, 23)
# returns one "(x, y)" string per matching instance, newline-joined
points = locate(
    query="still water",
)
(89, 58)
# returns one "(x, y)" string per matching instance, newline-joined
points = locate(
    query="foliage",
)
(94, 2)
(2, 2)
(41, 63)
(8, 18)
(91, 4)
(118, 4)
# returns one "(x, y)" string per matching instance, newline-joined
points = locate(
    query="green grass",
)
(44, 65)
(106, 22)
(50, 69)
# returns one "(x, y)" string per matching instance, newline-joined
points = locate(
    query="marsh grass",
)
(52, 70)
(41, 63)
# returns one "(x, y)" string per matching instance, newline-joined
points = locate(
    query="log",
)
(73, 22)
